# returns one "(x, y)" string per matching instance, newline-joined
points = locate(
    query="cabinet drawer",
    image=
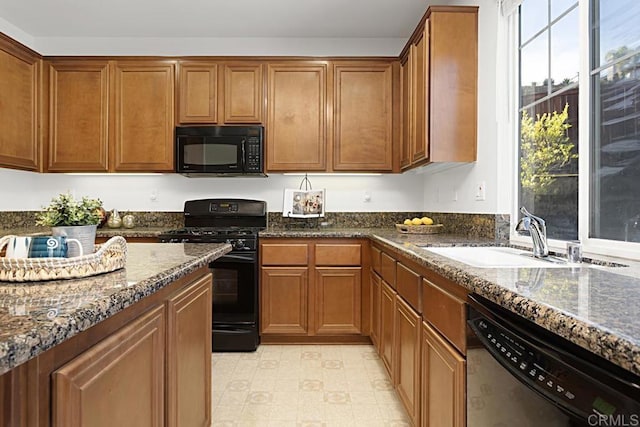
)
(408, 286)
(375, 259)
(446, 313)
(388, 269)
(284, 254)
(335, 254)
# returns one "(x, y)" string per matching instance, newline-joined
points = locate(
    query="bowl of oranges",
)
(422, 225)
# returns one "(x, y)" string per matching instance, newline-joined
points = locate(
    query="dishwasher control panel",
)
(578, 387)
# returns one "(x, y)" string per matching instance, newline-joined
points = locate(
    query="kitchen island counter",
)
(37, 316)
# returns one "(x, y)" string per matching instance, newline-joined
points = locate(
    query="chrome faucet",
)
(531, 225)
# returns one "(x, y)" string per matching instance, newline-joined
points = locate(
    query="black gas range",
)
(235, 275)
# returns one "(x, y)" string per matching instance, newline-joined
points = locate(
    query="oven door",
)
(235, 289)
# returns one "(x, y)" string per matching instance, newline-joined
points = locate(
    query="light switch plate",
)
(481, 191)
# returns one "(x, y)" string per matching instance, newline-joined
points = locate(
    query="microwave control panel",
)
(254, 154)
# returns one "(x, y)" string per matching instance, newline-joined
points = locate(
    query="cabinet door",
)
(283, 300)
(376, 289)
(198, 90)
(443, 381)
(144, 121)
(363, 117)
(19, 105)
(420, 88)
(189, 356)
(453, 74)
(337, 301)
(407, 358)
(118, 382)
(387, 314)
(405, 111)
(78, 116)
(297, 117)
(243, 93)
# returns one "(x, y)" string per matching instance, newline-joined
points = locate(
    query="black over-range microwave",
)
(219, 150)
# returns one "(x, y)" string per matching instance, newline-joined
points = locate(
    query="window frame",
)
(600, 248)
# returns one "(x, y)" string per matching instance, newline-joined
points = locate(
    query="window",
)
(549, 65)
(615, 83)
(552, 66)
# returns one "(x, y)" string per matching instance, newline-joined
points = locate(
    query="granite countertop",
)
(36, 316)
(329, 232)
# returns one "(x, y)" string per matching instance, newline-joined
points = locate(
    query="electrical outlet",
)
(154, 195)
(367, 196)
(481, 193)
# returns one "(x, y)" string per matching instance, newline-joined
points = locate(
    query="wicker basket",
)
(420, 229)
(110, 256)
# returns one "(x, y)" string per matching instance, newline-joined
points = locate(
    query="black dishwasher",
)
(520, 374)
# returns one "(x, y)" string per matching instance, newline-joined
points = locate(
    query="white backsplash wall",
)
(388, 193)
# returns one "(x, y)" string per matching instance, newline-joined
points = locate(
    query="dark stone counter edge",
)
(21, 348)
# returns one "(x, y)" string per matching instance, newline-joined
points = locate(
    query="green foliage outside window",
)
(545, 149)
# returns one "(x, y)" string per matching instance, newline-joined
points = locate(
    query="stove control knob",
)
(185, 240)
(238, 244)
(173, 240)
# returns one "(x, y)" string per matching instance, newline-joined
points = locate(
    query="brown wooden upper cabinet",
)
(111, 116)
(363, 116)
(217, 92)
(296, 130)
(20, 70)
(144, 120)
(78, 116)
(302, 135)
(439, 71)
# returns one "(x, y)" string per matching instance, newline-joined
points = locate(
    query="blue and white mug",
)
(52, 246)
(18, 246)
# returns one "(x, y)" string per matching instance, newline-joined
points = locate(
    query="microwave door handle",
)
(243, 156)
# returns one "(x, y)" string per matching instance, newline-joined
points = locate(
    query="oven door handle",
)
(236, 258)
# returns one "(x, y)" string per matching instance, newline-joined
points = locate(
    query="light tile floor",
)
(304, 385)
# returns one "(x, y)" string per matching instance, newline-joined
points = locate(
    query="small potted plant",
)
(76, 219)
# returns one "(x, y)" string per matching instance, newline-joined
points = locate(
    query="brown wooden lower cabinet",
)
(189, 356)
(119, 381)
(376, 289)
(407, 357)
(314, 290)
(387, 315)
(443, 382)
(283, 300)
(338, 300)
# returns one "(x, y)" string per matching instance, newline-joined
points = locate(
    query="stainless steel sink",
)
(497, 257)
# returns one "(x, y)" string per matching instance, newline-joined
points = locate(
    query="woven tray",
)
(110, 256)
(420, 229)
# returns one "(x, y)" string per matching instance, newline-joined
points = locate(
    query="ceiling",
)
(215, 18)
